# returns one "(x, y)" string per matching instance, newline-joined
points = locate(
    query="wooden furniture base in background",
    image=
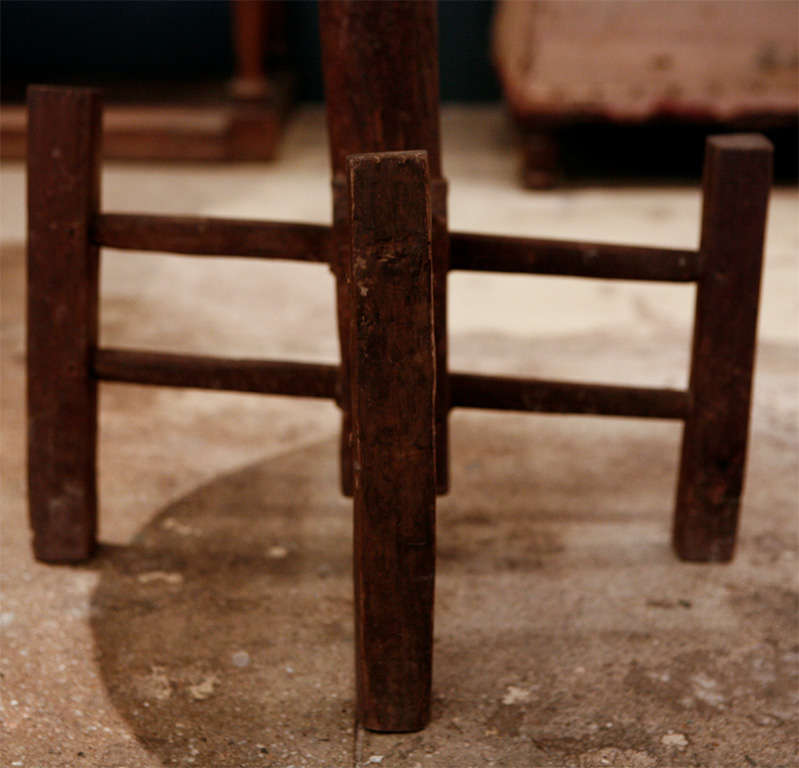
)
(218, 129)
(624, 79)
(241, 119)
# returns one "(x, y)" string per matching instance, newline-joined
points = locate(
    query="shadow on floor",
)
(566, 631)
(224, 631)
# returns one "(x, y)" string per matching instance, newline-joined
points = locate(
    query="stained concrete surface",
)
(214, 628)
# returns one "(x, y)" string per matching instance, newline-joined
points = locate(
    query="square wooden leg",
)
(380, 62)
(63, 197)
(737, 180)
(393, 369)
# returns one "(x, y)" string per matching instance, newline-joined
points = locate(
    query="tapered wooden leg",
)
(63, 197)
(737, 180)
(393, 389)
(380, 62)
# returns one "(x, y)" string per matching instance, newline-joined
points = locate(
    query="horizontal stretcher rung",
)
(198, 236)
(517, 394)
(275, 377)
(495, 253)
(321, 380)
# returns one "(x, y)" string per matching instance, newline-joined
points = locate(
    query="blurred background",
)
(594, 89)
(127, 41)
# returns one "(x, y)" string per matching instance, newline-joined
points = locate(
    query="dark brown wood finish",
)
(340, 266)
(199, 236)
(380, 62)
(296, 241)
(389, 249)
(249, 26)
(737, 179)
(495, 253)
(504, 393)
(283, 377)
(63, 267)
(438, 193)
(267, 377)
(393, 400)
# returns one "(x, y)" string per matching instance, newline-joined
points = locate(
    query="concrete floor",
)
(215, 626)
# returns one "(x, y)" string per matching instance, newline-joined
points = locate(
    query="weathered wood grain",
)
(737, 180)
(380, 63)
(267, 377)
(393, 400)
(505, 393)
(495, 253)
(200, 236)
(340, 266)
(62, 316)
